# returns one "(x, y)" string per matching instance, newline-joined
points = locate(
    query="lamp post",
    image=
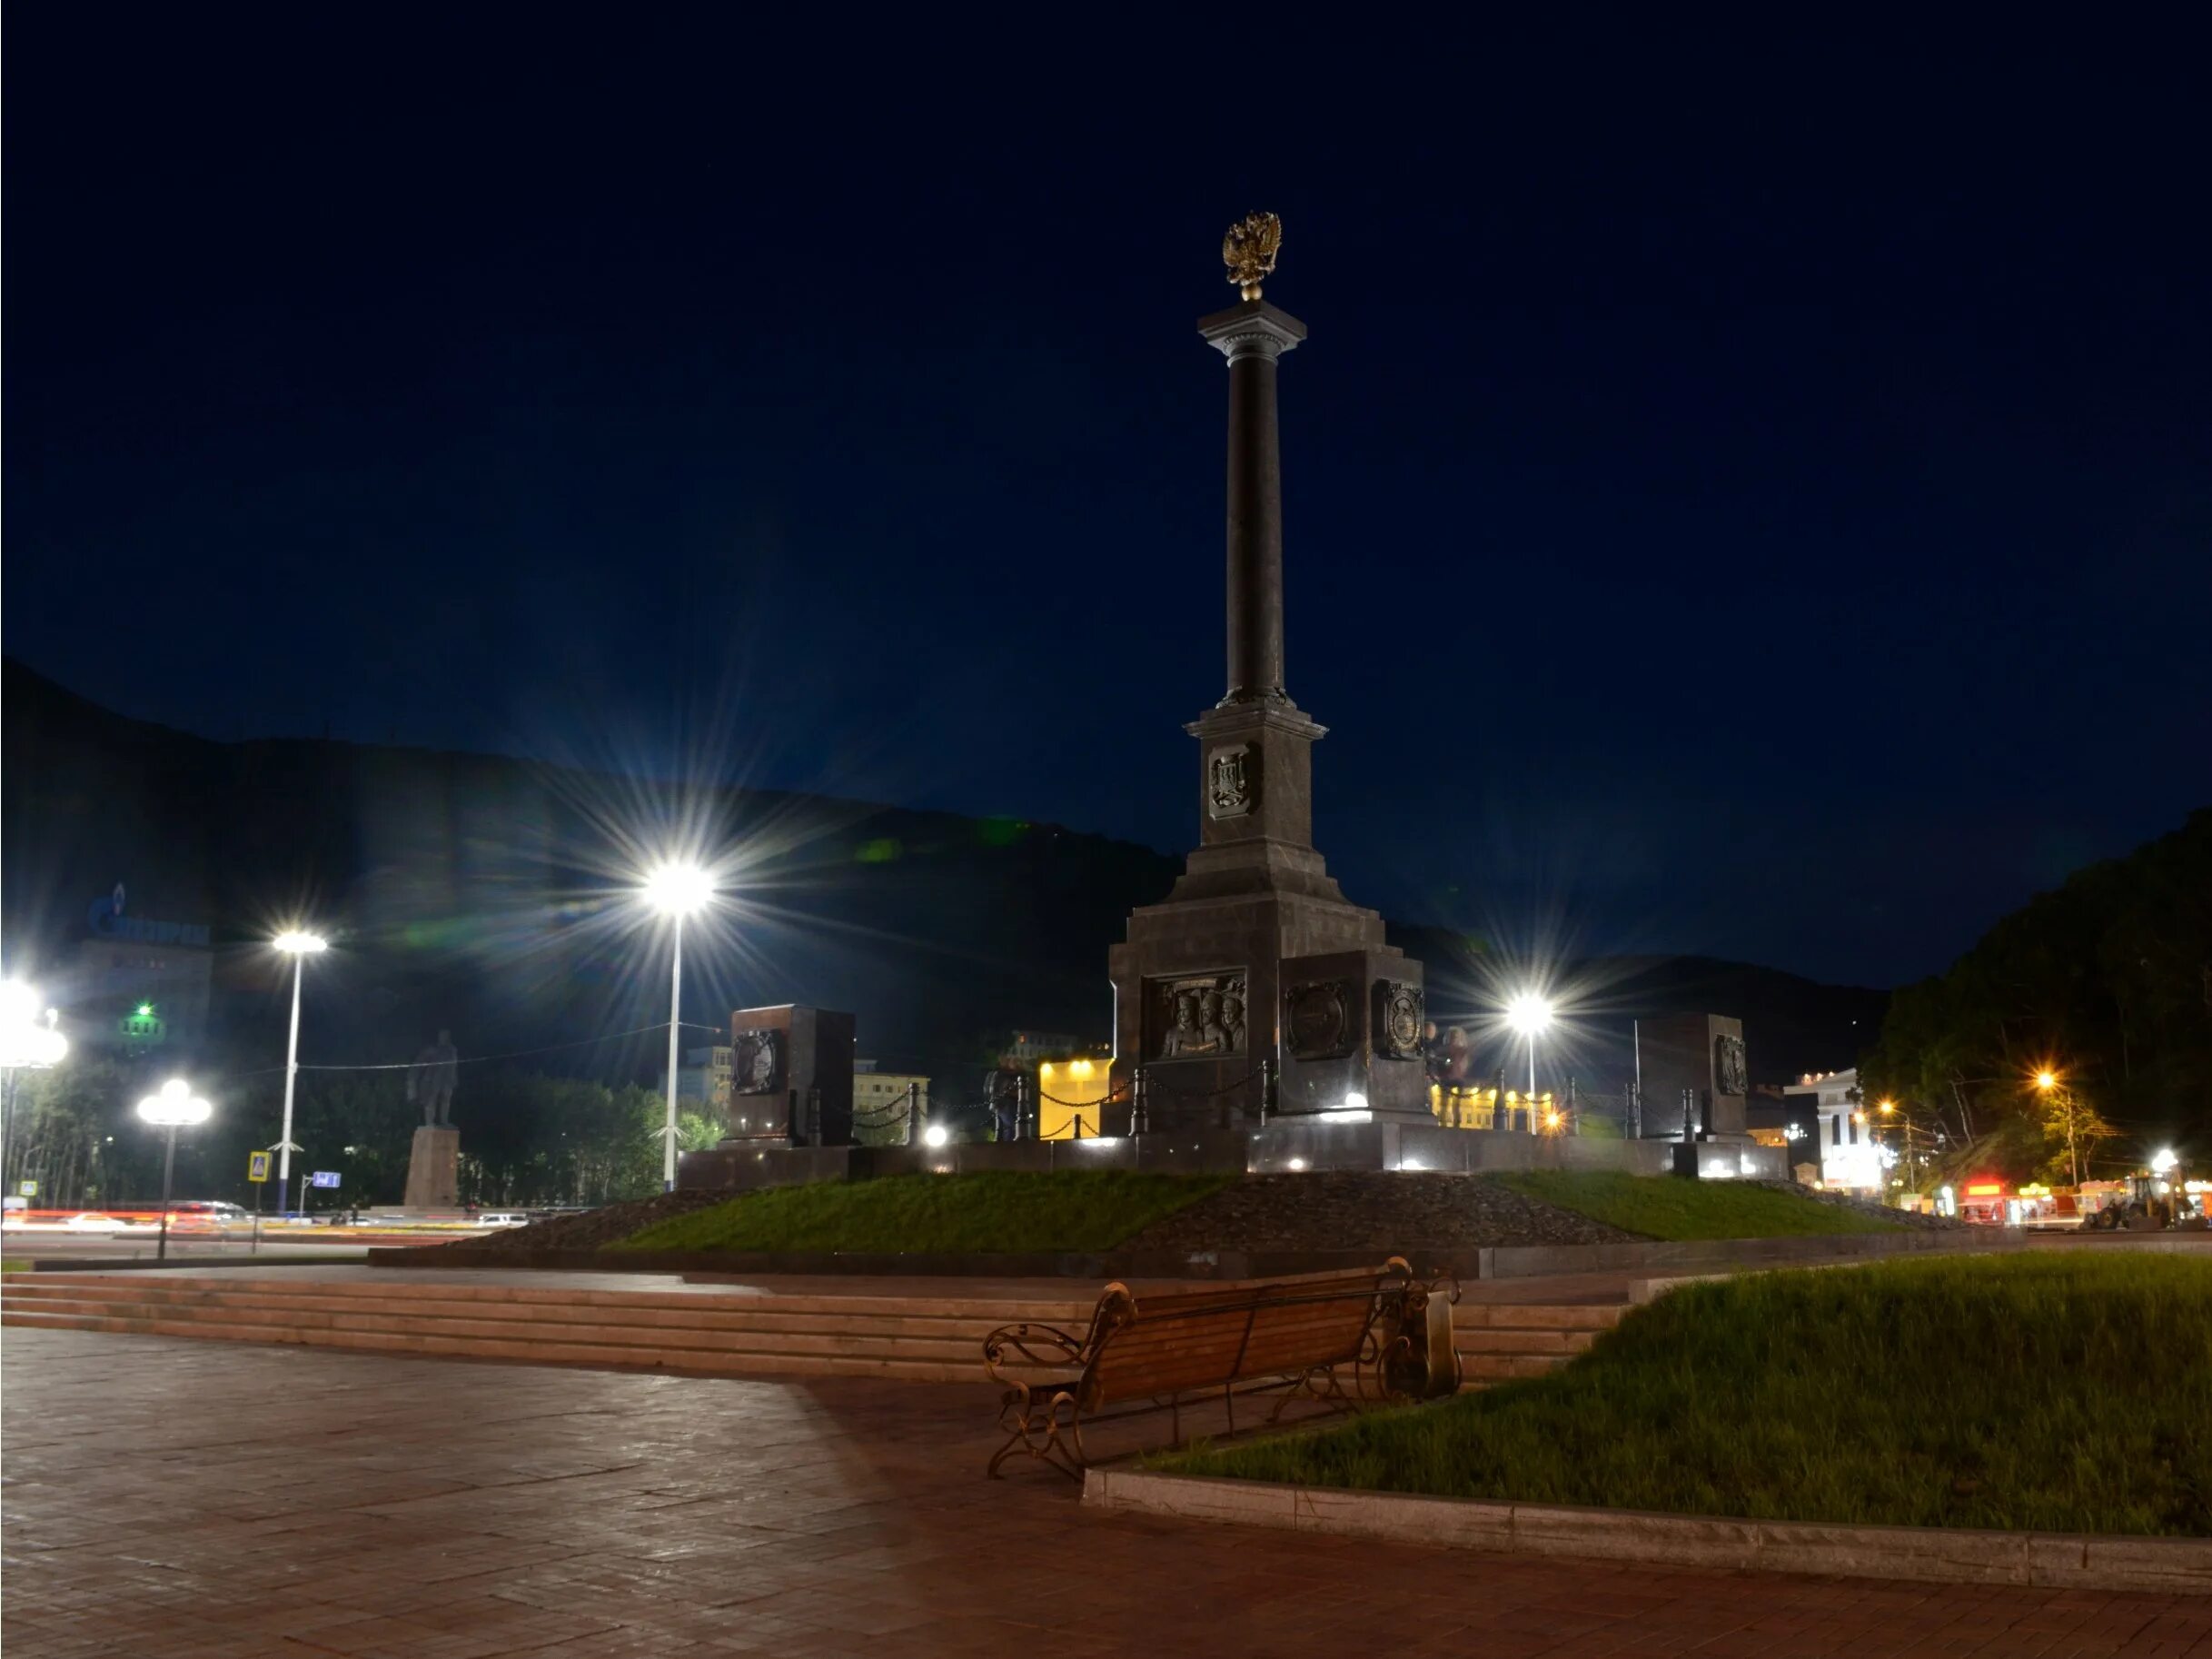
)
(27, 1043)
(174, 1107)
(2047, 1086)
(1530, 1014)
(676, 890)
(299, 945)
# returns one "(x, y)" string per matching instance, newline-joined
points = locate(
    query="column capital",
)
(1254, 329)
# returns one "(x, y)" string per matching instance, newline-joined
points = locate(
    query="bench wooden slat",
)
(1159, 1348)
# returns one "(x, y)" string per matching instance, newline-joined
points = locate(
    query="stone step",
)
(411, 1283)
(763, 1315)
(1491, 1340)
(1504, 1368)
(949, 1348)
(605, 1356)
(1539, 1317)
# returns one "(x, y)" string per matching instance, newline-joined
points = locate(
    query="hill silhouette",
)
(489, 895)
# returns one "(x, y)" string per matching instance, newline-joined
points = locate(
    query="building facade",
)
(1851, 1158)
(880, 1097)
(703, 1078)
(137, 984)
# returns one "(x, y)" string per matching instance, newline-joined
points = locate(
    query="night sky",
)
(1746, 494)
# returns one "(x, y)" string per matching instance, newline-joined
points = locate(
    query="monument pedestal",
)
(433, 1169)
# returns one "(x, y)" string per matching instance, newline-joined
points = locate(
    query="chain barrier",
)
(1120, 1093)
(1257, 1074)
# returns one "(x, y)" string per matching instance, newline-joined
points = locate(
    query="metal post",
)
(1502, 1116)
(1267, 1088)
(668, 1154)
(291, 1069)
(1140, 1119)
(254, 1248)
(1689, 1115)
(1574, 1115)
(914, 1131)
(161, 1250)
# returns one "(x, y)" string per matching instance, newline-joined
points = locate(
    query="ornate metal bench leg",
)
(1035, 1425)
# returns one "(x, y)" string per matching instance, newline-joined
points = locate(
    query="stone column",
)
(1252, 336)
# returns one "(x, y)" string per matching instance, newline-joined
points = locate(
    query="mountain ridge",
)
(479, 892)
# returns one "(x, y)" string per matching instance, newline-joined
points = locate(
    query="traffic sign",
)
(257, 1166)
(29, 1189)
(323, 1178)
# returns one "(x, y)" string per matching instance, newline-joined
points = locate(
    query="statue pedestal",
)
(433, 1169)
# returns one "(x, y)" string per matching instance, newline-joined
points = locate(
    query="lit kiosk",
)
(1255, 974)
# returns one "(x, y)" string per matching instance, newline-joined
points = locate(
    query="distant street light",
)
(299, 945)
(28, 1042)
(676, 890)
(175, 1107)
(935, 1135)
(2046, 1080)
(1530, 1014)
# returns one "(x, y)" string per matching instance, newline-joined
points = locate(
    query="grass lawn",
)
(1067, 1210)
(1663, 1207)
(2052, 1391)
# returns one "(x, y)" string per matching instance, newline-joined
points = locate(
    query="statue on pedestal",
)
(431, 1080)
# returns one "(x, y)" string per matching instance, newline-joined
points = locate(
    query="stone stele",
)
(1255, 944)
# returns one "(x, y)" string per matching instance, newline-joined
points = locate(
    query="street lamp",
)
(299, 945)
(2046, 1080)
(28, 1042)
(676, 890)
(174, 1108)
(1530, 1014)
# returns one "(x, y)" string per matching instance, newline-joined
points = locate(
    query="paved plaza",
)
(197, 1498)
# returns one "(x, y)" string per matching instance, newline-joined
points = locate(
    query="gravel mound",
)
(593, 1228)
(1335, 1210)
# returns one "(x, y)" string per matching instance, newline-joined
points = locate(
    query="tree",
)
(2071, 1123)
(2102, 979)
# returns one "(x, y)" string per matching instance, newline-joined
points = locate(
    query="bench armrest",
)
(1043, 1346)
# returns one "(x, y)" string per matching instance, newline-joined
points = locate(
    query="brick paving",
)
(187, 1498)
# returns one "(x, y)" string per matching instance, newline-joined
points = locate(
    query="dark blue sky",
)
(1747, 494)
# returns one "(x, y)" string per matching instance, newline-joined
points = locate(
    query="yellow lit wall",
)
(1083, 1084)
(1463, 1106)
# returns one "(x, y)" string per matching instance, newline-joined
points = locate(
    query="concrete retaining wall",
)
(1939, 1555)
(1286, 1145)
(1656, 1261)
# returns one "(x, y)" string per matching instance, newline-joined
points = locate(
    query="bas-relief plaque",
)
(1399, 1013)
(1232, 778)
(1317, 1018)
(756, 1063)
(1199, 1016)
(1731, 1075)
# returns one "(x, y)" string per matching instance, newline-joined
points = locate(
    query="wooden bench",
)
(1384, 1333)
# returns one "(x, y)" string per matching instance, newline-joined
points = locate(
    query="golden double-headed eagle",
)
(1249, 251)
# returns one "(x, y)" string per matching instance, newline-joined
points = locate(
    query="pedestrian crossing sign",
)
(257, 1166)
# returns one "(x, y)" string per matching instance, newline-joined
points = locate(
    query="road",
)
(200, 1244)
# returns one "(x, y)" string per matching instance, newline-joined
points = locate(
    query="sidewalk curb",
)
(2074, 1561)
